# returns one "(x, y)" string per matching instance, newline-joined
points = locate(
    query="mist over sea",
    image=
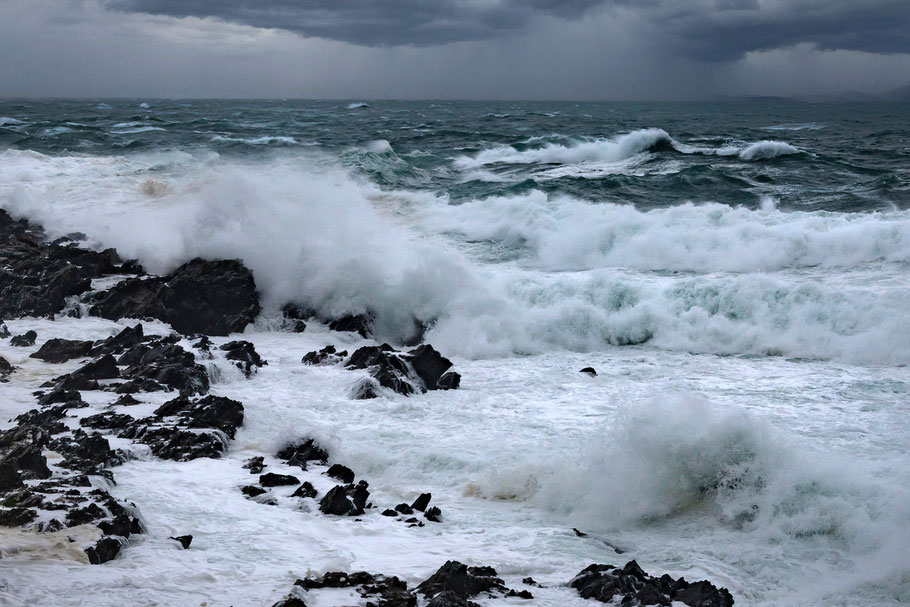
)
(736, 272)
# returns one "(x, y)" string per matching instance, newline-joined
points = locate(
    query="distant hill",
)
(899, 94)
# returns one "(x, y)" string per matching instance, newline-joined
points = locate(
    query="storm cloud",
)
(710, 30)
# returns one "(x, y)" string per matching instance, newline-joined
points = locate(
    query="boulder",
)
(106, 549)
(245, 356)
(185, 540)
(61, 350)
(589, 371)
(606, 583)
(25, 340)
(209, 297)
(354, 323)
(342, 473)
(305, 490)
(422, 501)
(327, 356)
(271, 479)
(429, 364)
(462, 580)
(300, 453)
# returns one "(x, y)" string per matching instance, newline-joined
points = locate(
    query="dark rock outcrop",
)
(25, 340)
(419, 370)
(300, 453)
(244, 356)
(326, 356)
(635, 587)
(271, 479)
(210, 297)
(6, 369)
(341, 500)
(342, 473)
(61, 350)
(185, 540)
(462, 580)
(589, 371)
(106, 549)
(354, 323)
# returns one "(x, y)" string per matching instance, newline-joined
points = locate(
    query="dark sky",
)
(570, 49)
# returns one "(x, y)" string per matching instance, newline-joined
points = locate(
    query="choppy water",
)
(736, 272)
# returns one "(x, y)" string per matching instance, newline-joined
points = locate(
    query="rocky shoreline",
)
(138, 393)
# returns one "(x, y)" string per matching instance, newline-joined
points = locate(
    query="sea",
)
(737, 273)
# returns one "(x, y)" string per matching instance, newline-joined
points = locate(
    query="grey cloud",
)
(372, 23)
(705, 30)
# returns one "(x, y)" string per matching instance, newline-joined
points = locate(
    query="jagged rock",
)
(305, 490)
(4, 330)
(85, 452)
(390, 591)
(106, 549)
(208, 412)
(462, 580)
(107, 421)
(122, 525)
(298, 327)
(26, 458)
(6, 369)
(422, 501)
(450, 599)
(291, 601)
(326, 356)
(61, 350)
(631, 584)
(529, 581)
(344, 500)
(210, 297)
(301, 453)
(404, 509)
(176, 444)
(364, 389)
(126, 400)
(185, 540)
(23, 499)
(434, 515)
(255, 464)
(522, 594)
(271, 479)
(16, 517)
(117, 344)
(589, 371)
(390, 370)
(25, 340)
(354, 323)
(252, 490)
(245, 356)
(342, 473)
(449, 381)
(80, 516)
(171, 365)
(429, 364)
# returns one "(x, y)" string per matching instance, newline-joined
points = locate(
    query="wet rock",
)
(449, 381)
(300, 453)
(4, 330)
(429, 364)
(208, 297)
(298, 327)
(126, 401)
(9, 477)
(327, 356)
(422, 501)
(245, 356)
(16, 517)
(388, 591)
(404, 509)
(80, 516)
(344, 500)
(589, 371)
(462, 580)
(271, 479)
(342, 473)
(6, 369)
(25, 456)
(632, 585)
(389, 512)
(255, 464)
(122, 525)
(354, 323)
(107, 421)
(185, 540)
(61, 350)
(291, 601)
(450, 599)
(182, 445)
(106, 549)
(170, 365)
(252, 490)
(364, 389)
(434, 515)
(25, 340)
(390, 370)
(522, 594)
(529, 581)
(117, 344)
(208, 412)
(305, 490)
(87, 453)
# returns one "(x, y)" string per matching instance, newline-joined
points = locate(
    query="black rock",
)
(107, 421)
(291, 601)
(209, 412)
(354, 323)
(305, 490)
(16, 517)
(185, 540)
(106, 549)
(85, 452)
(326, 356)
(589, 371)
(605, 583)
(298, 327)
(6, 369)
(390, 591)
(429, 364)
(4, 330)
(462, 580)
(342, 473)
(364, 389)
(301, 453)
(422, 501)
(179, 445)
(171, 365)
(450, 599)
(434, 515)
(25, 340)
(336, 502)
(390, 370)
(449, 381)
(252, 490)
(209, 297)
(404, 509)
(122, 525)
(80, 516)
(389, 512)
(245, 356)
(529, 581)
(126, 400)
(9, 477)
(61, 350)
(270, 479)
(522, 594)
(255, 464)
